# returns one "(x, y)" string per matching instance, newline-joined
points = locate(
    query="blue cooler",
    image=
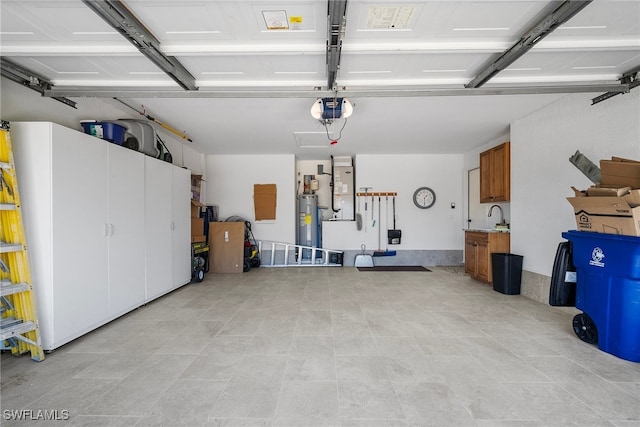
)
(608, 291)
(112, 132)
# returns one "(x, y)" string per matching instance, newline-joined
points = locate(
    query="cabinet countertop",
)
(486, 230)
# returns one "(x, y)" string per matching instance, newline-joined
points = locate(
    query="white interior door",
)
(79, 236)
(126, 229)
(157, 225)
(476, 216)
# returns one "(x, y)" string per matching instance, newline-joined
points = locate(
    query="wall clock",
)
(424, 197)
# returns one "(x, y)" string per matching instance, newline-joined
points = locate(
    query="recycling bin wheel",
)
(585, 329)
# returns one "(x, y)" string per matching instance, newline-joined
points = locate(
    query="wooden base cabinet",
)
(478, 247)
(83, 202)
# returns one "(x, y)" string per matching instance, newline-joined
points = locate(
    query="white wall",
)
(541, 174)
(230, 187)
(437, 228)
(20, 104)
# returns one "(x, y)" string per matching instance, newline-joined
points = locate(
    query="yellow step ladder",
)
(19, 324)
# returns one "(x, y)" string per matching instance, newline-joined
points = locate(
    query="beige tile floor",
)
(330, 347)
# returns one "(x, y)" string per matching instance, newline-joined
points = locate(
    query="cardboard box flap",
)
(604, 191)
(604, 206)
(620, 173)
(578, 193)
(633, 198)
(196, 203)
(621, 159)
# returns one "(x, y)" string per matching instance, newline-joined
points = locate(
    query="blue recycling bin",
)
(608, 291)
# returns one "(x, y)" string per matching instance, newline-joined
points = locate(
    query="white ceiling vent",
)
(312, 139)
(389, 17)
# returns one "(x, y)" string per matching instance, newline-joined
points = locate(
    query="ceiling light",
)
(295, 72)
(145, 73)
(482, 29)
(585, 27)
(16, 33)
(443, 71)
(523, 69)
(78, 72)
(595, 67)
(93, 33)
(371, 72)
(194, 32)
(221, 73)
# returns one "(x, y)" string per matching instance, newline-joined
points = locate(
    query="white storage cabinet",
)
(85, 208)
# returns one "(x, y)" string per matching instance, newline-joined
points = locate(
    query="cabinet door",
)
(470, 257)
(126, 229)
(158, 240)
(79, 233)
(485, 177)
(482, 261)
(500, 173)
(181, 228)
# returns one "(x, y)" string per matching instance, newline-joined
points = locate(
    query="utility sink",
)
(490, 230)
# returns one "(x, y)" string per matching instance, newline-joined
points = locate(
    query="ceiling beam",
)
(630, 78)
(336, 21)
(560, 14)
(351, 93)
(28, 78)
(116, 14)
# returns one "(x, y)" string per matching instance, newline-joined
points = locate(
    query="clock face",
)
(424, 197)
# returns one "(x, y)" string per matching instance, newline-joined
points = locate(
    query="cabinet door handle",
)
(173, 226)
(106, 230)
(111, 230)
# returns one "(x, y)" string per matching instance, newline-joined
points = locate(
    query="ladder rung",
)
(7, 207)
(10, 288)
(5, 165)
(9, 247)
(16, 328)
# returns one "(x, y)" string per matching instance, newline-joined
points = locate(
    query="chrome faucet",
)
(502, 221)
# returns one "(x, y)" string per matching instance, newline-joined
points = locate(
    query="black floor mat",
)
(394, 268)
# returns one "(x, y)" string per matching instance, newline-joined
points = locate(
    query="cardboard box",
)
(196, 208)
(620, 172)
(197, 226)
(226, 242)
(611, 215)
(198, 239)
(196, 182)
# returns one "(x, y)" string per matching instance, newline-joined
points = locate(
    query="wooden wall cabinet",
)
(478, 247)
(495, 171)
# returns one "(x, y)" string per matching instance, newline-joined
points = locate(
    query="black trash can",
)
(507, 273)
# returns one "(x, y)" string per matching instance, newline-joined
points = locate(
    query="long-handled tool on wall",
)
(366, 193)
(381, 252)
(394, 236)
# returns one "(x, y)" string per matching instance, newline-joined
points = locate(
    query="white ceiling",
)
(387, 45)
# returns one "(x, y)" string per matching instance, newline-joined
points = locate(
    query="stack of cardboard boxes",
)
(197, 223)
(613, 205)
